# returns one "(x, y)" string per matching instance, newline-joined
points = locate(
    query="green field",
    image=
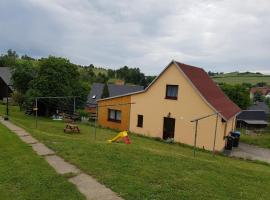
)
(149, 169)
(25, 175)
(262, 138)
(241, 79)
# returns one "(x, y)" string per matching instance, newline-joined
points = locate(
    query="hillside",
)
(231, 78)
(238, 78)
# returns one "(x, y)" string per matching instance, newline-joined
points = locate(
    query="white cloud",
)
(219, 35)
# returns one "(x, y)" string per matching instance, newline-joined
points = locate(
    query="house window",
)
(171, 92)
(140, 121)
(114, 115)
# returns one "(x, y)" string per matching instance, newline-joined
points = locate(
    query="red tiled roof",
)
(264, 90)
(210, 91)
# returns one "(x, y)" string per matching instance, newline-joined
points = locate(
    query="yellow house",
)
(168, 107)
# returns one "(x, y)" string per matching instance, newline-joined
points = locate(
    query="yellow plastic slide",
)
(121, 135)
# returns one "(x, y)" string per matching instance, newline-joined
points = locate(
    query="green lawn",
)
(24, 175)
(261, 139)
(148, 169)
(242, 79)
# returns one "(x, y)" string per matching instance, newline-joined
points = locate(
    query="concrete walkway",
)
(251, 152)
(86, 184)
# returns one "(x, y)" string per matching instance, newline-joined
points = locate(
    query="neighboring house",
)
(165, 109)
(263, 90)
(252, 119)
(260, 106)
(5, 81)
(114, 90)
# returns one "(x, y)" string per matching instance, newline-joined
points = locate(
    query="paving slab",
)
(60, 165)
(42, 150)
(92, 189)
(28, 139)
(21, 133)
(251, 152)
(11, 126)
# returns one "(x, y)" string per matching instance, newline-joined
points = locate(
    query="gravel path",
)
(251, 152)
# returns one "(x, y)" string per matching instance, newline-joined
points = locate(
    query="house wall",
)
(3, 89)
(189, 105)
(104, 106)
(90, 109)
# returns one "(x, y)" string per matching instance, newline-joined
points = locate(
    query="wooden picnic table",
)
(72, 128)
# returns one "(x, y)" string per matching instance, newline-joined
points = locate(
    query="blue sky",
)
(218, 35)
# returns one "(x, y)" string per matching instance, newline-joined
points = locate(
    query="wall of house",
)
(124, 107)
(3, 89)
(189, 105)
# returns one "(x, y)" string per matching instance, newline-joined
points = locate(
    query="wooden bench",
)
(73, 128)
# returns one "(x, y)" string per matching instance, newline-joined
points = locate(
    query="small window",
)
(114, 115)
(171, 92)
(140, 121)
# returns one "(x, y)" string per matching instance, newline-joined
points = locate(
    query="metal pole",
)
(215, 136)
(36, 112)
(129, 117)
(74, 105)
(7, 102)
(96, 122)
(195, 138)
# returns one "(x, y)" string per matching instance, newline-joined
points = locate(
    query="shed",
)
(260, 106)
(114, 90)
(5, 81)
(252, 119)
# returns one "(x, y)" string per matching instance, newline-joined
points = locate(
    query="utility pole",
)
(36, 109)
(195, 137)
(7, 104)
(74, 105)
(215, 136)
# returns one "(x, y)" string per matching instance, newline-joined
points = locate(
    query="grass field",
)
(24, 175)
(242, 79)
(260, 139)
(149, 169)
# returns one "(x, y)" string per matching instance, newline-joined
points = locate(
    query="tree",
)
(258, 96)
(261, 84)
(26, 57)
(131, 75)
(267, 101)
(18, 98)
(56, 77)
(8, 59)
(105, 92)
(22, 75)
(101, 78)
(239, 94)
(111, 73)
(87, 74)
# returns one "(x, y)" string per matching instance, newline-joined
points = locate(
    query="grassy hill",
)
(149, 169)
(229, 78)
(238, 78)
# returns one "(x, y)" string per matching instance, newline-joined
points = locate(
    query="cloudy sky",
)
(218, 35)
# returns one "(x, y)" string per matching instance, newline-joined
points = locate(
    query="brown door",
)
(168, 128)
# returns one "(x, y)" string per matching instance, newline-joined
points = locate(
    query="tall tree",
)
(56, 77)
(239, 94)
(22, 75)
(105, 92)
(8, 59)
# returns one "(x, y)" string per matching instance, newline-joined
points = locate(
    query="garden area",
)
(145, 169)
(259, 138)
